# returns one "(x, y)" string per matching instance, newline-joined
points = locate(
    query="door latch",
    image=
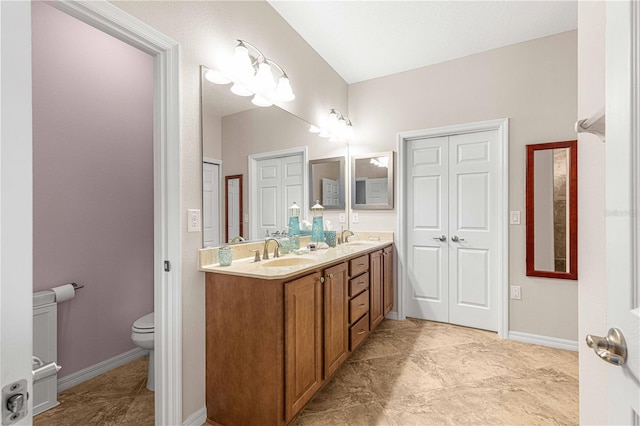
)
(14, 402)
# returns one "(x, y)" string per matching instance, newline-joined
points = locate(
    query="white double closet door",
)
(280, 182)
(452, 229)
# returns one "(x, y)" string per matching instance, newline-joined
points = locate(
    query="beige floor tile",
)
(370, 414)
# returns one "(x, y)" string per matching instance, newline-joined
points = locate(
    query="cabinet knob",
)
(331, 276)
(321, 280)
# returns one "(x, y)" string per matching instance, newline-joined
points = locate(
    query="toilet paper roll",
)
(64, 292)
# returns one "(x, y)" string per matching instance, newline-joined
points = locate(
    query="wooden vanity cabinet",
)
(376, 294)
(336, 318)
(303, 304)
(387, 278)
(273, 343)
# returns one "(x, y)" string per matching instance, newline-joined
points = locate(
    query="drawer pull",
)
(361, 332)
(362, 283)
(360, 306)
(360, 264)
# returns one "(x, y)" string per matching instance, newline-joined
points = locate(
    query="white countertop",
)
(246, 267)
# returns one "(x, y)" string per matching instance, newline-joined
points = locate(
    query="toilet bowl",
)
(142, 335)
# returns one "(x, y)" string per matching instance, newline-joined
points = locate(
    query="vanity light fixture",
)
(337, 128)
(252, 75)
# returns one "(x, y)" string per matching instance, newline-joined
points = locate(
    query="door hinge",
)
(167, 266)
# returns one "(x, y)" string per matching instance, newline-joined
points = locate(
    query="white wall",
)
(591, 213)
(534, 85)
(203, 28)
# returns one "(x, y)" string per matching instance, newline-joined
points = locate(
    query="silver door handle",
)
(455, 239)
(611, 348)
(440, 238)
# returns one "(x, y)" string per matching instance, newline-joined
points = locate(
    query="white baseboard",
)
(553, 342)
(78, 377)
(392, 315)
(196, 419)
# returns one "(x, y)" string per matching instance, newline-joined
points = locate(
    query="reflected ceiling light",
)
(252, 75)
(380, 161)
(337, 128)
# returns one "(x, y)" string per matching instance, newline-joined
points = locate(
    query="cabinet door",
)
(387, 278)
(375, 288)
(303, 342)
(336, 319)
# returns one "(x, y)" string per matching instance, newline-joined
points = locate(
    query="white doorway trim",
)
(218, 163)
(253, 190)
(502, 127)
(166, 175)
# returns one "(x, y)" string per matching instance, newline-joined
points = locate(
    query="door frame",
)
(218, 163)
(253, 188)
(114, 21)
(502, 127)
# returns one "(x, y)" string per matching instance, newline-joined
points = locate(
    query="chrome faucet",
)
(276, 252)
(346, 239)
(236, 240)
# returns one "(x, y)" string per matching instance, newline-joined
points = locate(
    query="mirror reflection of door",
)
(211, 202)
(233, 202)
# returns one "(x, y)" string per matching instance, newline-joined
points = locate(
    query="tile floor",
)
(426, 373)
(406, 373)
(118, 397)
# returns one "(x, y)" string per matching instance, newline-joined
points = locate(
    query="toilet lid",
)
(144, 323)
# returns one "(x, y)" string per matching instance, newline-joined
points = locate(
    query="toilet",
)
(142, 335)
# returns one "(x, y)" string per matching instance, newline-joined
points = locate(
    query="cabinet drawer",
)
(358, 306)
(358, 284)
(358, 332)
(358, 265)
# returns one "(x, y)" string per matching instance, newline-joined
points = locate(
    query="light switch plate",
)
(516, 294)
(514, 218)
(246, 217)
(193, 220)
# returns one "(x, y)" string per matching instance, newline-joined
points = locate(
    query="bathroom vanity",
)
(277, 330)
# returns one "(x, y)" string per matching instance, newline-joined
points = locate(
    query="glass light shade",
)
(261, 101)
(283, 90)
(240, 90)
(217, 77)
(348, 132)
(264, 78)
(314, 129)
(242, 62)
(333, 117)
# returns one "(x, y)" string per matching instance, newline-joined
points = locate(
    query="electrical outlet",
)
(355, 218)
(342, 218)
(193, 220)
(514, 218)
(515, 292)
(246, 217)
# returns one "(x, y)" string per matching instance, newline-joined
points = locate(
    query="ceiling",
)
(362, 40)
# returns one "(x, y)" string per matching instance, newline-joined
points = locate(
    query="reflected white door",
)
(452, 230)
(377, 190)
(279, 183)
(233, 208)
(623, 204)
(330, 192)
(211, 204)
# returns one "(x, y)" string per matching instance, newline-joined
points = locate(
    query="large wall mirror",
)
(552, 210)
(234, 129)
(372, 181)
(326, 182)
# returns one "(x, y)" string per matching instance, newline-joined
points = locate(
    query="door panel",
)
(473, 277)
(427, 257)
(472, 202)
(210, 204)
(336, 318)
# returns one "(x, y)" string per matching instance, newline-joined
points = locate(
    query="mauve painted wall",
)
(92, 183)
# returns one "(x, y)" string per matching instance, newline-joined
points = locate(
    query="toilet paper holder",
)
(77, 286)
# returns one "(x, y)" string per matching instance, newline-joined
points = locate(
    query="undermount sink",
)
(361, 243)
(288, 261)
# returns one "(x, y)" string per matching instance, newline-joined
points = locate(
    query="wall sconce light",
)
(251, 75)
(337, 128)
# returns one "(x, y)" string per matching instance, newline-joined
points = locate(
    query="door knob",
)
(440, 238)
(455, 239)
(611, 348)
